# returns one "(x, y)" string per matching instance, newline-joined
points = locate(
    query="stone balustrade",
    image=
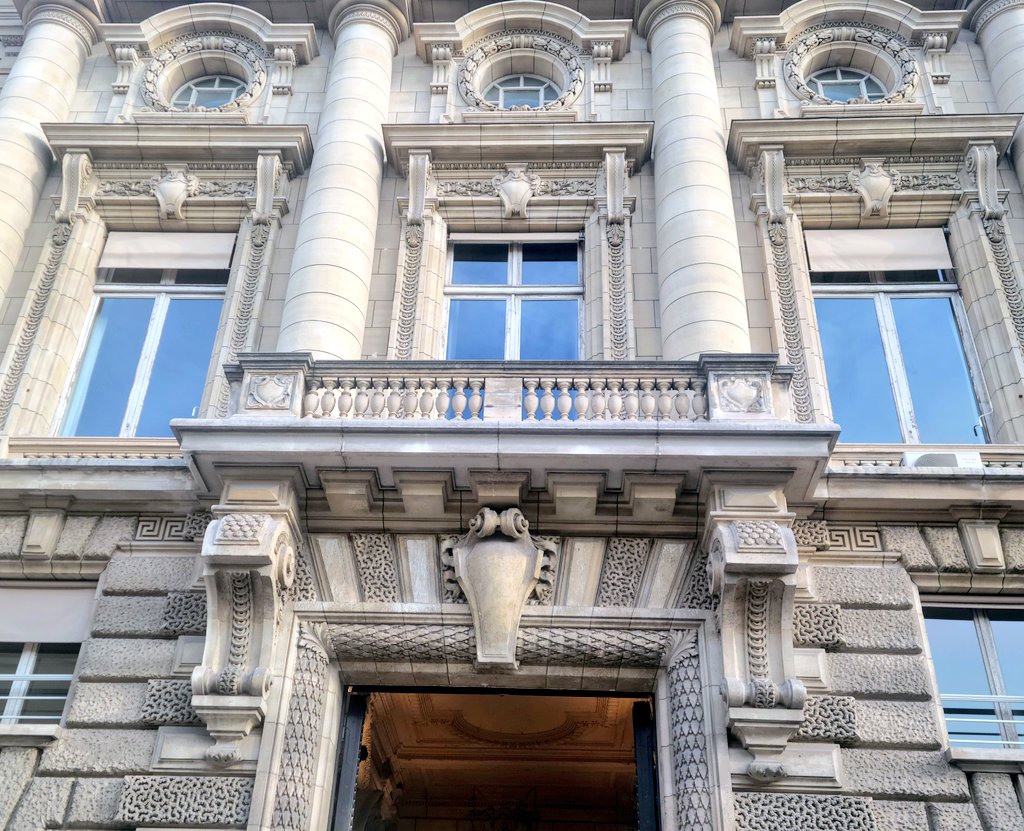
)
(715, 388)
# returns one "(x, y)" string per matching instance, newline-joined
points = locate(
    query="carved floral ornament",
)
(805, 54)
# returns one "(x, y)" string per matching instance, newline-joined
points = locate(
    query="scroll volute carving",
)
(497, 564)
(248, 565)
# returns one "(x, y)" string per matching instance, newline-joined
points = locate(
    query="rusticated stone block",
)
(129, 616)
(903, 774)
(907, 724)
(906, 540)
(109, 659)
(996, 802)
(42, 805)
(880, 676)
(169, 701)
(864, 588)
(12, 533)
(1013, 548)
(128, 574)
(953, 816)
(947, 548)
(899, 816)
(99, 752)
(219, 801)
(16, 766)
(817, 625)
(94, 802)
(801, 812)
(185, 613)
(108, 533)
(880, 630)
(829, 718)
(107, 705)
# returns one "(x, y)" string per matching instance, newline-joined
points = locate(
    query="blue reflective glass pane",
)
(476, 330)
(1008, 631)
(940, 386)
(551, 264)
(858, 377)
(182, 359)
(108, 367)
(550, 330)
(480, 265)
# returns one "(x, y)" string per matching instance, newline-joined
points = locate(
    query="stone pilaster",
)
(699, 271)
(328, 289)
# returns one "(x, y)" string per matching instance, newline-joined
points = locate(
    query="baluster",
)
(700, 402)
(614, 400)
(476, 400)
(665, 404)
(362, 398)
(426, 397)
(547, 401)
(459, 399)
(411, 399)
(530, 400)
(377, 400)
(597, 399)
(582, 401)
(443, 399)
(328, 398)
(345, 399)
(682, 399)
(564, 401)
(394, 400)
(648, 400)
(311, 401)
(631, 401)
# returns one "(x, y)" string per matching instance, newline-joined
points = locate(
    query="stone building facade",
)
(656, 356)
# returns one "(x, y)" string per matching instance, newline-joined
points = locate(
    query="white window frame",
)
(10, 711)
(162, 292)
(542, 84)
(883, 293)
(513, 291)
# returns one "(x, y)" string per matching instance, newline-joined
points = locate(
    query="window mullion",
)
(133, 409)
(1003, 709)
(897, 369)
(19, 688)
(513, 313)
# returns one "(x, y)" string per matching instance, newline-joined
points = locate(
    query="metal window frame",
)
(513, 291)
(162, 294)
(21, 680)
(883, 293)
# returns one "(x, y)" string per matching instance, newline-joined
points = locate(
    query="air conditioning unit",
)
(945, 458)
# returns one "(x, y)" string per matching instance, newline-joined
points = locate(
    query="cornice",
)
(382, 13)
(981, 12)
(655, 12)
(70, 15)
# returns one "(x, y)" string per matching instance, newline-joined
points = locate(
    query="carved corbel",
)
(936, 44)
(441, 61)
(127, 57)
(76, 174)
(516, 188)
(497, 565)
(248, 566)
(602, 56)
(413, 241)
(762, 51)
(268, 173)
(981, 163)
(173, 188)
(752, 564)
(620, 338)
(284, 67)
(875, 185)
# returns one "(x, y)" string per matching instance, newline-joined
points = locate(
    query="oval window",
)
(208, 93)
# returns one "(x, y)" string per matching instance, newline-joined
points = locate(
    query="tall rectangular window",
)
(516, 300)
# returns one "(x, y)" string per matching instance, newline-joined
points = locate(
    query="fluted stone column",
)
(699, 273)
(39, 89)
(999, 25)
(328, 290)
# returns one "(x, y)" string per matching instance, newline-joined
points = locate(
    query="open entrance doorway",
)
(491, 761)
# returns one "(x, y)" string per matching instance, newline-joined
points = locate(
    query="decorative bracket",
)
(441, 61)
(875, 185)
(981, 163)
(497, 564)
(127, 57)
(935, 45)
(268, 171)
(173, 188)
(284, 68)
(76, 172)
(516, 188)
(602, 52)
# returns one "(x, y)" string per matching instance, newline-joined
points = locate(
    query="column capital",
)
(70, 15)
(382, 13)
(982, 12)
(656, 12)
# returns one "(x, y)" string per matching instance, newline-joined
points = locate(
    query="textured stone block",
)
(829, 718)
(903, 774)
(899, 816)
(801, 812)
(185, 613)
(94, 802)
(910, 724)
(129, 616)
(99, 752)
(947, 548)
(865, 588)
(12, 532)
(817, 625)
(93, 537)
(882, 676)
(880, 630)
(42, 805)
(953, 816)
(16, 766)
(74, 536)
(906, 540)
(106, 704)
(169, 701)
(219, 801)
(1013, 548)
(104, 659)
(128, 574)
(996, 802)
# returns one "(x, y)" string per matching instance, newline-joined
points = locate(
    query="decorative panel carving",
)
(624, 562)
(169, 701)
(376, 563)
(216, 801)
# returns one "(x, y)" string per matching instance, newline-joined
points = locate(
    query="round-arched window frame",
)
(844, 85)
(208, 92)
(521, 91)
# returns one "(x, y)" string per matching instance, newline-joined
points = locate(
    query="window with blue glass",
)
(515, 300)
(148, 352)
(896, 358)
(979, 667)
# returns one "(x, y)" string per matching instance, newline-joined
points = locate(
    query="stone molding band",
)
(709, 16)
(72, 20)
(977, 21)
(344, 14)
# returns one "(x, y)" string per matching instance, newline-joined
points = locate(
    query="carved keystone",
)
(497, 564)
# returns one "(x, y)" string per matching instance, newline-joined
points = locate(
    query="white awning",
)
(129, 249)
(46, 614)
(904, 249)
